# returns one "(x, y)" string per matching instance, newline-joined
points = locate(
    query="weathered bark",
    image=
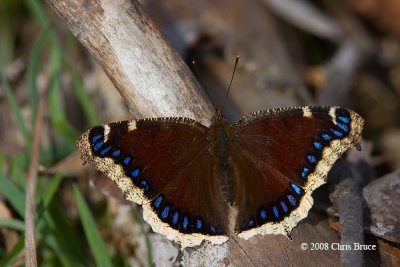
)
(146, 71)
(348, 200)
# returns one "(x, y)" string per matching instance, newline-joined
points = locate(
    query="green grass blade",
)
(64, 130)
(34, 67)
(16, 112)
(18, 164)
(52, 188)
(96, 243)
(8, 34)
(37, 12)
(57, 116)
(13, 224)
(82, 96)
(48, 194)
(139, 220)
(65, 238)
(13, 194)
(10, 258)
(52, 243)
(2, 160)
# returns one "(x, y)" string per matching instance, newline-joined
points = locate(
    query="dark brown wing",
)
(279, 157)
(164, 165)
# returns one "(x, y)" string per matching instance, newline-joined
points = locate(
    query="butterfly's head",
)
(219, 119)
(219, 135)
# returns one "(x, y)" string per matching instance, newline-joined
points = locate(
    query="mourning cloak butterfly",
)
(200, 183)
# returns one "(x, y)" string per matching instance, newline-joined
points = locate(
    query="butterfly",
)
(199, 183)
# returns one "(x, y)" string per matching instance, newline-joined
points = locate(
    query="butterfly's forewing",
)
(279, 157)
(163, 165)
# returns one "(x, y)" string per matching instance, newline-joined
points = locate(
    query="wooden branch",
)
(340, 73)
(31, 180)
(146, 71)
(304, 15)
(348, 200)
(382, 199)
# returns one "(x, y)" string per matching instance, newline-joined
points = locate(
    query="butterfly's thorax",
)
(219, 136)
(220, 133)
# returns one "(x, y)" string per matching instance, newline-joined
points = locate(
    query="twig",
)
(147, 72)
(30, 211)
(341, 71)
(383, 207)
(348, 200)
(303, 15)
(340, 74)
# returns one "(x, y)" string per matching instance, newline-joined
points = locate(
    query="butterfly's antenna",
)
(230, 84)
(199, 78)
(196, 69)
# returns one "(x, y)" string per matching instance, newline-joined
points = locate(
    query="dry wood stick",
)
(348, 200)
(30, 211)
(304, 15)
(147, 72)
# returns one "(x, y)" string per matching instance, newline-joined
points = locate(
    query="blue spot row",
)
(96, 138)
(199, 224)
(276, 212)
(296, 188)
(343, 122)
(165, 212)
(337, 133)
(318, 145)
(105, 151)
(126, 160)
(97, 141)
(326, 137)
(97, 146)
(157, 202)
(212, 229)
(135, 173)
(284, 207)
(116, 153)
(215, 231)
(312, 158)
(292, 200)
(305, 171)
(185, 223)
(342, 126)
(251, 223)
(263, 215)
(144, 185)
(178, 220)
(344, 119)
(280, 209)
(175, 217)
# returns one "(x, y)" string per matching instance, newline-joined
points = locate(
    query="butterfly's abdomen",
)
(221, 143)
(221, 146)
